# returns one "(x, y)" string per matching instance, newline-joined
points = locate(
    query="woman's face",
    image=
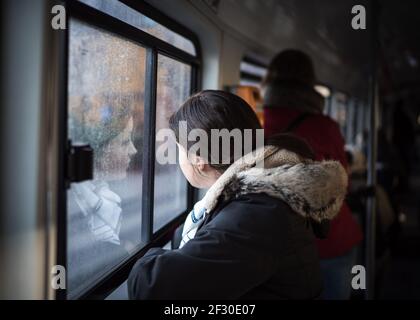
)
(117, 154)
(186, 167)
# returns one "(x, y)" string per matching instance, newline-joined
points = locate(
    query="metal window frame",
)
(101, 288)
(62, 151)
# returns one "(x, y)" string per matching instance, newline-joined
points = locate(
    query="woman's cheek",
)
(186, 167)
(126, 157)
(187, 170)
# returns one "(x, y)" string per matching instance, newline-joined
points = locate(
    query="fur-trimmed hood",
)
(312, 189)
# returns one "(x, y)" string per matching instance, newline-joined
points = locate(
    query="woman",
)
(105, 122)
(292, 105)
(250, 237)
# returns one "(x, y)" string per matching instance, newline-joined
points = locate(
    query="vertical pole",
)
(63, 184)
(372, 154)
(192, 193)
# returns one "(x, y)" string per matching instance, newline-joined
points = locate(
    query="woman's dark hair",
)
(215, 109)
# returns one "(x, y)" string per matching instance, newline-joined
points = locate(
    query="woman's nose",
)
(132, 149)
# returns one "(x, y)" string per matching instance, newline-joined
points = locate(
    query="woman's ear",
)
(198, 162)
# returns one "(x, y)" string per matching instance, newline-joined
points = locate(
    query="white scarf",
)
(193, 222)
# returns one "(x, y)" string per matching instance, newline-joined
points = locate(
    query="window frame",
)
(102, 287)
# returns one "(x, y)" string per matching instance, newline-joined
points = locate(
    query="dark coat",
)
(254, 247)
(256, 240)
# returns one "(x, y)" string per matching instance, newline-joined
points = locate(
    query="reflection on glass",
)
(173, 88)
(124, 13)
(105, 99)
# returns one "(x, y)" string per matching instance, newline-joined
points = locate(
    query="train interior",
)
(152, 55)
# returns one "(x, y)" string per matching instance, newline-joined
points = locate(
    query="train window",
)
(252, 73)
(123, 85)
(351, 121)
(124, 13)
(339, 109)
(105, 105)
(173, 87)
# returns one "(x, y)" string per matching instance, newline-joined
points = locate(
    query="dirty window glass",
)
(105, 110)
(173, 88)
(130, 16)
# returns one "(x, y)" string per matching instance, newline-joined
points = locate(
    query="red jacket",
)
(324, 136)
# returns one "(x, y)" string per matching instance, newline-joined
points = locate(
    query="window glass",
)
(339, 110)
(359, 124)
(173, 88)
(253, 69)
(351, 121)
(134, 18)
(251, 74)
(105, 110)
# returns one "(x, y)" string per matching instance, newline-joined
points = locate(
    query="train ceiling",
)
(323, 29)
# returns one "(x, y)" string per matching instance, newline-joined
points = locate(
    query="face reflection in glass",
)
(117, 154)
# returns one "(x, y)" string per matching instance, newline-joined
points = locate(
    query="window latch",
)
(80, 163)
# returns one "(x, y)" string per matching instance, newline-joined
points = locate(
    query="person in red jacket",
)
(291, 104)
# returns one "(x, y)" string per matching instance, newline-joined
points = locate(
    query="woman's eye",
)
(126, 142)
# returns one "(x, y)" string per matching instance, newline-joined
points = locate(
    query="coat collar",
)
(311, 188)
